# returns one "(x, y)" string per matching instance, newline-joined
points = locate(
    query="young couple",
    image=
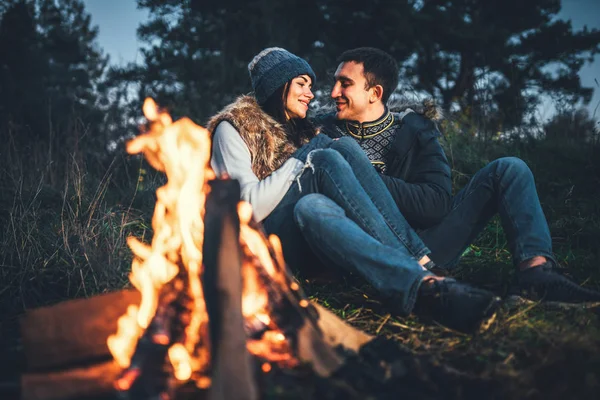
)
(371, 191)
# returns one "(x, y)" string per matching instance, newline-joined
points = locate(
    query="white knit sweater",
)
(231, 155)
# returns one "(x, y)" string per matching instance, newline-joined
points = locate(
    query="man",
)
(404, 148)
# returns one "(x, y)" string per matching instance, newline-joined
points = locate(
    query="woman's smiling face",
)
(298, 97)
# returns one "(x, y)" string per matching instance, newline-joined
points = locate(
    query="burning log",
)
(77, 383)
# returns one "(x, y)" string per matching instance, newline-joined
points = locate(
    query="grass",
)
(66, 239)
(553, 352)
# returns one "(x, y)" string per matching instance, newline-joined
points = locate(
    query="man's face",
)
(351, 97)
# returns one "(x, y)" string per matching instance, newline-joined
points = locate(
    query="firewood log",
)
(222, 282)
(95, 381)
(74, 331)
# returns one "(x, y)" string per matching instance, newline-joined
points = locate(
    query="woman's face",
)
(298, 97)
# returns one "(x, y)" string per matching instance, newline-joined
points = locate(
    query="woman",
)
(269, 146)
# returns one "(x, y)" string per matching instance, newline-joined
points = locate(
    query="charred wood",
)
(222, 283)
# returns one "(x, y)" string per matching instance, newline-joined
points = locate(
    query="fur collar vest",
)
(266, 139)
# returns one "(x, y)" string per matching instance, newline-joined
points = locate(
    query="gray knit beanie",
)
(273, 67)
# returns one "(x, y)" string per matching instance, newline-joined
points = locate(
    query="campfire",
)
(214, 290)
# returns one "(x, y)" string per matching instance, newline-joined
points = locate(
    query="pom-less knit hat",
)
(273, 67)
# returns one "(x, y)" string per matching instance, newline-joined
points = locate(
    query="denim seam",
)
(417, 254)
(401, 238)
(309, 165)
(365, 221)
(518, 246)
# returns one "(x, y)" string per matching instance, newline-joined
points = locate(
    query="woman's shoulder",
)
(243, 109)
(225, 128)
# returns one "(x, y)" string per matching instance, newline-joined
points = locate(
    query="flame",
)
(122, 345)
(181, 149)
(180, 359)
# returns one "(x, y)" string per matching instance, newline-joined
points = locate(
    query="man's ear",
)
(376, 93)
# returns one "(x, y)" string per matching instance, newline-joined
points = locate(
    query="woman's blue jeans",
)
(340, 210)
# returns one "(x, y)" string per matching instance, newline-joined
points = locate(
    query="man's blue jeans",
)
(505, 187)
(346, 217)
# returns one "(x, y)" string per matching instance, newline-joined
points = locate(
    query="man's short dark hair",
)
(380, 68)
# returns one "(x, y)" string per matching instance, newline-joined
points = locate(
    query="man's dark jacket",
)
(417, 173)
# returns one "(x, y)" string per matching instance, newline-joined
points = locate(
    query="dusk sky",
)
(118, 20)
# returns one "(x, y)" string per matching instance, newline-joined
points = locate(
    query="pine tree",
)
(50, 70)
(494, 58)
(491, 60)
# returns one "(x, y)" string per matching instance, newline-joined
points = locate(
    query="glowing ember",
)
(266, 367)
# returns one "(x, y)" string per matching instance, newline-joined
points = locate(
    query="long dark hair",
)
(299, 130)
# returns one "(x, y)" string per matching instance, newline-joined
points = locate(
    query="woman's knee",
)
(326, 158)
(308, 208)
(346, 146)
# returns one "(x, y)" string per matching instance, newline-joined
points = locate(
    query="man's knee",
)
(511, 166)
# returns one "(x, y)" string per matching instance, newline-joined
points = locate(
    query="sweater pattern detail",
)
(375, 138)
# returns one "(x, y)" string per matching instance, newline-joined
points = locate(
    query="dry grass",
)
(551, 352)
(64, 240)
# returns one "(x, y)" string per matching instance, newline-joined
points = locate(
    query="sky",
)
(118, 20)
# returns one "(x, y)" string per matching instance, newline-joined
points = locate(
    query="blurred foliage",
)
(488, 61)
(576, 125)
(491, 60)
